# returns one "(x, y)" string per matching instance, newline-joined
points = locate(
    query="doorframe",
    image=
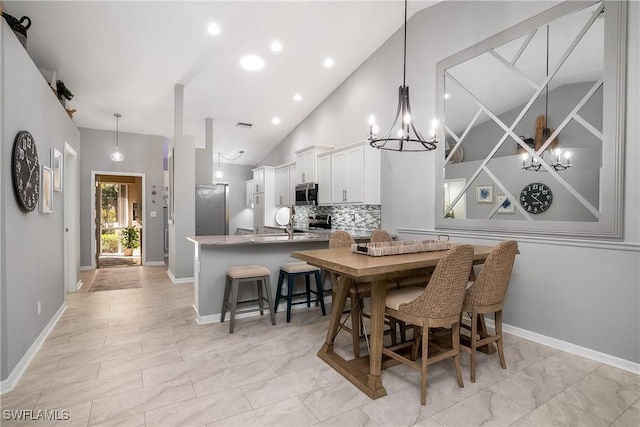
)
(143, 212)
(71, 215)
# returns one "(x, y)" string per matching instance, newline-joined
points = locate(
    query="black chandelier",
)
(404, 137)
(554, 157)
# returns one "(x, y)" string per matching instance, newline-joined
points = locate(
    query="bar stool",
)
(241, 274)
(295, 269)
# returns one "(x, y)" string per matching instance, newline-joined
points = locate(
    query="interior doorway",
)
(71, 219)
(118, 214)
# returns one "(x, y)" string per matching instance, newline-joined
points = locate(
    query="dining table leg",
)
(340, 298)
(378, 298)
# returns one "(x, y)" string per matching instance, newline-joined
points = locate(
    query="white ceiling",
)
(126, 57)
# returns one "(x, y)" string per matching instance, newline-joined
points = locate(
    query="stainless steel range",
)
(319, 222)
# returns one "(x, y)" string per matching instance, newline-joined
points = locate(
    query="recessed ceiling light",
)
(328, 62)
(275, 120)
(446, 96)
(213, 29)
(297, 97)
(252, 62)
(276, 46)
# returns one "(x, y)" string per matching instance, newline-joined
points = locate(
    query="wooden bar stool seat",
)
(290, 271)
(242, 274)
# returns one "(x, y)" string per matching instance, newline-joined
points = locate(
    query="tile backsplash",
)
(343, 216)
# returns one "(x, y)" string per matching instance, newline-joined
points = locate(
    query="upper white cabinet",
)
(306, 161)
(285, 181)
(258, 180)
(350, 174)
(347, 177)
(248, 198)
(324, 179)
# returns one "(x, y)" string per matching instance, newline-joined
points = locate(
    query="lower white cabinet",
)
(258, 213)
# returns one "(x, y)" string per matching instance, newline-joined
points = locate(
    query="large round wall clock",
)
(536, 198)
(25, 171)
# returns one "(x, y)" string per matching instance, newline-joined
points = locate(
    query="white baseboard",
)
(86, 267)
(154, 263)
(12, 380)
(180, 280)
(282, 307)
(607, 359)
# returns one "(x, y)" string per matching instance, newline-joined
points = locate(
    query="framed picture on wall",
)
(46, 189)
(56, 165)
(506, 204)
(484, 193)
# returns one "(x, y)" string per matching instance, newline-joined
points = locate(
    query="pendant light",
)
(554, 156)
(403, 135)
(117, 156)
(219, 174)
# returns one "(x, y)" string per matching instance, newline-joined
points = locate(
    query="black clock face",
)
(536, 198)
(25, 171)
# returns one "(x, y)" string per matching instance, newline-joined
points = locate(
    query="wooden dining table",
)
(364, 372)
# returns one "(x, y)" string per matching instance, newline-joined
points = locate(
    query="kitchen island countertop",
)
(257, 239)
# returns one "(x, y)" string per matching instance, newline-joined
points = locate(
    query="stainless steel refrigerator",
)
(212, 213)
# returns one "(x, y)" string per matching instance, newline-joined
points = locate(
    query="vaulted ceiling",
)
(126, 57)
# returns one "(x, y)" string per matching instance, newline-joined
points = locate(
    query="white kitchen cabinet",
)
(285, 176)
(258, 213)
(306, 161)
(264, 208)
(248, 193)
(324, 179)
(350, 174)
(258, 180)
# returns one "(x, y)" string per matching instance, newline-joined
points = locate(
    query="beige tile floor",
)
(136, 357)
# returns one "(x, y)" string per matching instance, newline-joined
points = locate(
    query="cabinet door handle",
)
(303, 176)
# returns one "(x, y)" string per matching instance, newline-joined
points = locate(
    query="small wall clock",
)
(25, 171)
(536, 198)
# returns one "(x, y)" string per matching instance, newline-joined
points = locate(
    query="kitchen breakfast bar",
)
(215, 254)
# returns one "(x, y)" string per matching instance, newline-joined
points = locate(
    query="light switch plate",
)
(153, 214)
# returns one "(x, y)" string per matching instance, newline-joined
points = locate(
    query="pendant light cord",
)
(546, 89)
(404, 65)
(117, 132)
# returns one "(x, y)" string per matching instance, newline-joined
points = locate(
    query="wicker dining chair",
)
(380, 236)
(342, 239)
(486, 295)
(436, 306)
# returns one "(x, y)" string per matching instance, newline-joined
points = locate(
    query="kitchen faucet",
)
(292, 211)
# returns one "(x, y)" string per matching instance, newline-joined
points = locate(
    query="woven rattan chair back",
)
(444, 294)
(491, 285)
(380, 236)
(340, 239)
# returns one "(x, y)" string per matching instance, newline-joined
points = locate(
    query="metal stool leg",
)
(260, 297)
(279, 290)
(234, 302)
(290, 282)
(307, 284)
(320, 292)
(225, 300)
(267, 284)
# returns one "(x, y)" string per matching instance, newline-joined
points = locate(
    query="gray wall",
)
(142, 154)
(571, 301)
(32, 243)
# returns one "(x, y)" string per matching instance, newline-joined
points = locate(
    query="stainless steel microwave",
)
(307, 194)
